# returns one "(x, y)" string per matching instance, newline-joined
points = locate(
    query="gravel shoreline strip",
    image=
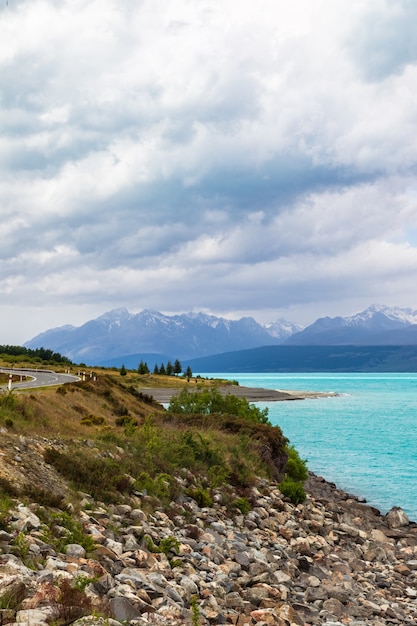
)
(252, 394)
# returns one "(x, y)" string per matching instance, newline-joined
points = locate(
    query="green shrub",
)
(195, 611)
(293, 490)
(162, 486)
(8, 408)
(74, 532)
(243, 505)
(296, 467)
(200, 448)
(129, 424)
(218, 475)
(296, 473)
(210, 401)
(21, 545)
(44, 497)
(103, 478)
(201, 496)
(169, 544)
(7, 492)
(93, 420)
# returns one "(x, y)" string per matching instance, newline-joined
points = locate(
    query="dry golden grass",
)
(76, 409)
(96, 434)
(153, 380)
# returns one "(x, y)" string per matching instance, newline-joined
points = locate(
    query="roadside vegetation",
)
(106, 438)
(19, 355)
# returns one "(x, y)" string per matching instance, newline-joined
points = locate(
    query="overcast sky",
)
(227, 156)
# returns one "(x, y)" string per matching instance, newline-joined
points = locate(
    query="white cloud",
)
(225, 156)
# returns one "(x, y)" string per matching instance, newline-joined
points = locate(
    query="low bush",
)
(103, 478)
(296, 467)
(292, 490)
(93, 420)
(296, 473)
(63, 529)
(210, 401)
(201, 496)
(242, 504)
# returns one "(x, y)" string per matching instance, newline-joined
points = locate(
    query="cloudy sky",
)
(226, 156)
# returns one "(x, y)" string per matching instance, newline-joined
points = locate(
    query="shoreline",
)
(316, 486)
(329, 493)
(252, 394)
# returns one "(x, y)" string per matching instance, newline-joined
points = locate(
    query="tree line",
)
(44, 354)
(168, 369)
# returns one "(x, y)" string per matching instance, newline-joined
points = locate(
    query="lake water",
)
(364, 440)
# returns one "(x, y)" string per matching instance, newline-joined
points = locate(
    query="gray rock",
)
(243, 559)
(34, 617)
(173, 594)
(96, 620)
(189, 587)
(25, 520)
(131, 543)
(75, 550)
(334, 607)
(122, 610)
(396, 518)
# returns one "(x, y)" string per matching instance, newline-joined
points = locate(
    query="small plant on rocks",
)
(243, 505)
(201, 496)
(195, 611)
(295, 474)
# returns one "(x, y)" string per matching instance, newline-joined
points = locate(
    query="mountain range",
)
(121, 337)
(376, 326)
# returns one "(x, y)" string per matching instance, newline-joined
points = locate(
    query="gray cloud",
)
(208, 155)
(383, 42)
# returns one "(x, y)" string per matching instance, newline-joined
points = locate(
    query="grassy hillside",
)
(104, 438)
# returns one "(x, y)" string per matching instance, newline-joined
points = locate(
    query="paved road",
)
(38, 378)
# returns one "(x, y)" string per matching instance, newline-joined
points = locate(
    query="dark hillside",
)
(311, 359)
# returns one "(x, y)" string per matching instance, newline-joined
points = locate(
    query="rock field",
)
(330, 560)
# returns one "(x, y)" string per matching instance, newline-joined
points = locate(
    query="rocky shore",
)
(252, 394)
(330, 560)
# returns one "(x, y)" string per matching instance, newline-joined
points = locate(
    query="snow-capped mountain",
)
(377, 325)
(120, 333)
(282, 328)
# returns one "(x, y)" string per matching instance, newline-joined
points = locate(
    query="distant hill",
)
(131, 361)
(377, 325)
(118, 334)
(285, 358)
(119, 337)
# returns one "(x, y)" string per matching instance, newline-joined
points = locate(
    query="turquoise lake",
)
(364, 440)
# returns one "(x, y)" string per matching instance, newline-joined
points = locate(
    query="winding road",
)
(38, 378)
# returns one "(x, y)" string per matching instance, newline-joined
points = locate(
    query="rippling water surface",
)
(365, 440)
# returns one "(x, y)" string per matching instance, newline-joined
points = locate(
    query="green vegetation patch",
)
(296, 474)
(211, 401)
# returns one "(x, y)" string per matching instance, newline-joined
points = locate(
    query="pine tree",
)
(123, 370)
(143, 368)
